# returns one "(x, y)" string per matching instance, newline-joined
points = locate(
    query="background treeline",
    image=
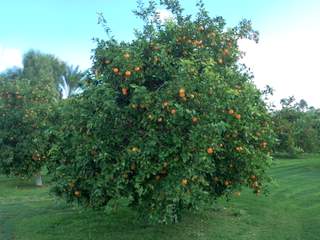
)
(297, 127)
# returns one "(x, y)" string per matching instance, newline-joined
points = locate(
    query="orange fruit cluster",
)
(233, 113)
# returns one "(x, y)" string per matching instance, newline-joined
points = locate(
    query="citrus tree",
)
(297, 128)
(26, 99)
(170, 120)
(22, 150)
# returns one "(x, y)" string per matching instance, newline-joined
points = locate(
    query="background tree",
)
(297, 127)
(27, 99)
(44, 69)
(71, 81)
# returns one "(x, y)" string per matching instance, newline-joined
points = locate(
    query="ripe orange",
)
(127, 74)
(253, 177)
(182, 92)
(126, 55)
(263, 144)
(238, 116)
(125, 91)
(173, 111)
(211, 35)
(77, 193)
(155, 47)
(255, 184)
(239, 149)
(201, 28)
(115, 70)
(231, 111)
(194, 119)
(225, 52)
(135, 149)
(210, 150)
(165, 104)
(194, 178)
(184, 182)
(137, 69)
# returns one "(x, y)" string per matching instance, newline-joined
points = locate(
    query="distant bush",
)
(297, 128)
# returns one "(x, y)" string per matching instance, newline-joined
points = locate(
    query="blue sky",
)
(286, 57)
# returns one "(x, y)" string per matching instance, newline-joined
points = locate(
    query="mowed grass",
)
(290, 212)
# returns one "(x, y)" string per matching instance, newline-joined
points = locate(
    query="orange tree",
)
(26, 100)
(22, 143)
(170, 120)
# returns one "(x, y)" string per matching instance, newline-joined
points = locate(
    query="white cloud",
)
(288, 61)
(10, 57)
(164, 15)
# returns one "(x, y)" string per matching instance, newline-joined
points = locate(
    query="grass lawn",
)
(290, 212)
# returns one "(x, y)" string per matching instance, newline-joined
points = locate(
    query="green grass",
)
(291, 211)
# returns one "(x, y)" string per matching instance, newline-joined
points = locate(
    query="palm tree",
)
(70, 81)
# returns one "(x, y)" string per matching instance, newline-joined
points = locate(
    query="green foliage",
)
(297, 127)
(22, 114)
(43, 69)
(170, 120)
(26, 100)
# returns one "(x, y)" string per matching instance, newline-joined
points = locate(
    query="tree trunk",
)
(39, 182)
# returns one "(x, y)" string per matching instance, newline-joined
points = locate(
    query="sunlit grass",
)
(291, 211)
